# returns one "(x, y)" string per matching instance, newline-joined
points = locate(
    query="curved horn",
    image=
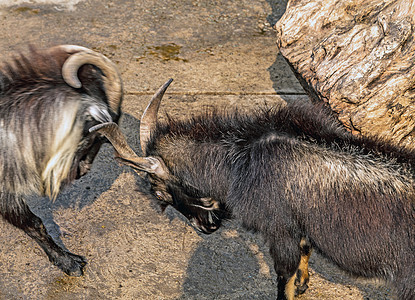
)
(113, 133)
(149, 119)
(127, 155)
(112, 79)
(70, 49)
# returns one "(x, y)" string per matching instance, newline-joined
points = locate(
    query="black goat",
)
(294, 174)
(48, 101)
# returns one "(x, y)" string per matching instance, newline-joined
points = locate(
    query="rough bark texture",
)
(358, 56)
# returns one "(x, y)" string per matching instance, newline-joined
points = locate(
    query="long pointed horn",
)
(112, 79)
(127, 155)
(113, 133)
(149, 119)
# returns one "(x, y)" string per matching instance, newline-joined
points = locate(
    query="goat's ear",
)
(149, 164)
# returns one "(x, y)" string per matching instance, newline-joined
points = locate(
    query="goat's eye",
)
(159, 195)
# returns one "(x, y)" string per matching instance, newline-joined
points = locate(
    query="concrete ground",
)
(220, 53)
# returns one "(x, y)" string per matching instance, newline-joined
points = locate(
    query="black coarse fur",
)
(44, 138)
(293, 172)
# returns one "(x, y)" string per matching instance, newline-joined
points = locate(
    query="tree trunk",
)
(358, 56)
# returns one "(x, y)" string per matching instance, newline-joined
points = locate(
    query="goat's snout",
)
(207, 223)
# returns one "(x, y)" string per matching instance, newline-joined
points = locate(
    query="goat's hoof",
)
(71, 264)
(300, 289)
(83, 168)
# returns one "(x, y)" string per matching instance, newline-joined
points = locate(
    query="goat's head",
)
(112, 85)
(204, 213)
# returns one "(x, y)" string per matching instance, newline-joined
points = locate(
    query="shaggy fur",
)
(44, 138)
(294, 173)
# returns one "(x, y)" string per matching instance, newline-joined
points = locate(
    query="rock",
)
(357, 56)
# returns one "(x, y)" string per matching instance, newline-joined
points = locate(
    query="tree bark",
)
(358, 56)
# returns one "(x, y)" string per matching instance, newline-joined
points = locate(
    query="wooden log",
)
(358, 56)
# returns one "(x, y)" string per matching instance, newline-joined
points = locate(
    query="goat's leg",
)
(15, 210)
(286, 254)
(302, 275)
(86, 160)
